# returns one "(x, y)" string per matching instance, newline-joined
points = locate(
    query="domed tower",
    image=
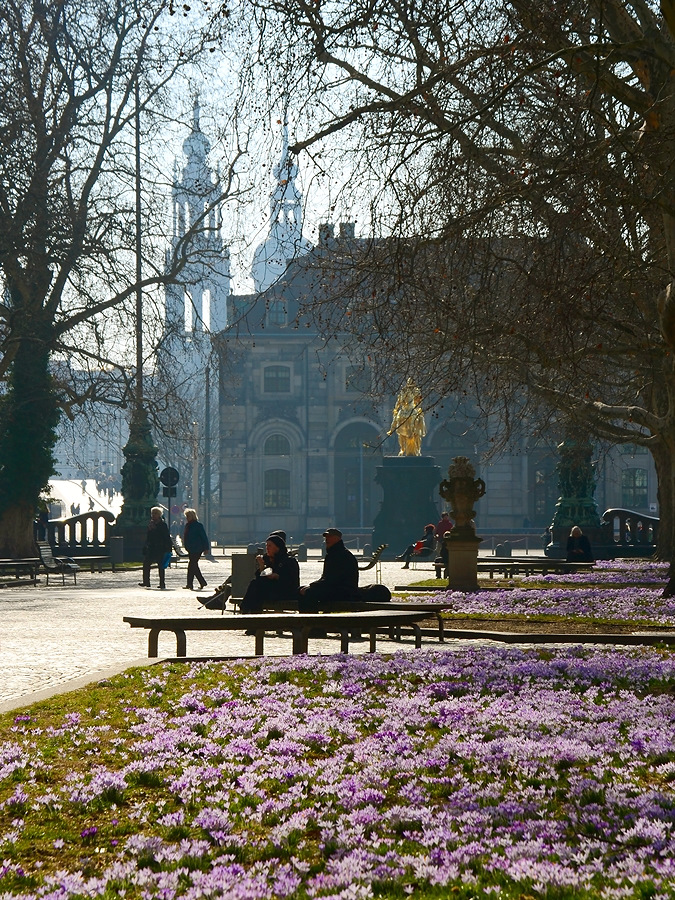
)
(285, 241)
(198, 303)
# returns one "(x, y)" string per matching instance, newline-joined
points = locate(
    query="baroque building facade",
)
(295, 436)
(301, 437)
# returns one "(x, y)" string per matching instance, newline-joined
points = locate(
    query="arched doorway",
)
(357, 497)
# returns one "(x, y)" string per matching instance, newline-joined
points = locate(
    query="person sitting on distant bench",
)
(421, 549)
(277, 577)
(578, 547)
(340, 578)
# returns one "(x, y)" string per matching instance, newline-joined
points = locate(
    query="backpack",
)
(375, 593)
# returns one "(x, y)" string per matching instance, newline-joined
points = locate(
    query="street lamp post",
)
(140, 482)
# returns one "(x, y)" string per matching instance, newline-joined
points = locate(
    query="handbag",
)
(166, 559)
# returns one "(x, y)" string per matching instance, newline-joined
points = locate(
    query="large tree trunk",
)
(663, 460)
(28, 419)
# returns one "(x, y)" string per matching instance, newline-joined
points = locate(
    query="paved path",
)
(54, 634)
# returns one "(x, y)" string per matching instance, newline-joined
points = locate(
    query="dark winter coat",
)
(157, 541)
(579, 549)
(194, 538)
(340, 579)
(283, 589)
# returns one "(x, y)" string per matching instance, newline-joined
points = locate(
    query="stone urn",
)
(461, 489)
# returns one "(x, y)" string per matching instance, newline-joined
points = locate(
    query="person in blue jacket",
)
(195, 542)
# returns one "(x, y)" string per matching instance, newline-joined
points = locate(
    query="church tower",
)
(284, 241)
(197, 306)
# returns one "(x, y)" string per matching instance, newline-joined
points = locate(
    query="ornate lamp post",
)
(140, 481)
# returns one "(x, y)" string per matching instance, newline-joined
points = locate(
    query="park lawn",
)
(476, 773)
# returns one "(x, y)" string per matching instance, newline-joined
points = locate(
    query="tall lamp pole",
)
(140, 482)
(207, 447)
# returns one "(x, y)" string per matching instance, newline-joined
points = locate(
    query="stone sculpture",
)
(408, 420)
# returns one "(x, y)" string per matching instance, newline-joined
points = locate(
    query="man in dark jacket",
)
(340, 579)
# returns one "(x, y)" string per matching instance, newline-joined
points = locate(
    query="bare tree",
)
(70, 75)
(520, 158)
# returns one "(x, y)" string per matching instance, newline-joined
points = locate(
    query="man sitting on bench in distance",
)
(340, 578)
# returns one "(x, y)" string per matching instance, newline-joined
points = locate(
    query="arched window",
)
(277, 490)
(634, 488)
(277, 445)
(277, 380)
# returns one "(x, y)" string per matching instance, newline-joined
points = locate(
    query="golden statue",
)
(408, 420)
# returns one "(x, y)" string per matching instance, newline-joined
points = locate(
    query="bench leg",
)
(441, 628)
(344, 642)
(373, 641)
(181, 643)
(300, 636)
(152, 642)
(418, 634)
(259, 641)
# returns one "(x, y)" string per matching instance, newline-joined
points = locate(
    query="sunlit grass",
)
(430, 773)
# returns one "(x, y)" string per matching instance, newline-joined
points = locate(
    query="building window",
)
(277, 445)
(634, 488)
(357, 380)
(277, 380)
(276, 313)
(277, 489)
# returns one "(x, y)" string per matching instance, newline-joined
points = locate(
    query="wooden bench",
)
(511, 565)
(56, 565)
(301, 625)
(374, 561)
(433, 610)
(26, 566)
(95, 563)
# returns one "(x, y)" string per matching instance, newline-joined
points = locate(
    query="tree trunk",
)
(28, 419)
(663, 460)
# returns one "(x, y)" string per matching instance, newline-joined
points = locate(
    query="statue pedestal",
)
(463, 562)
(410, 486)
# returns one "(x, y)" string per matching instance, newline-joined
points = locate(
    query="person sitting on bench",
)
(578, 546)
(277, 578)
(421, 549)
(340, 578)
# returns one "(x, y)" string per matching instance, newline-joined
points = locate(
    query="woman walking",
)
(195, 542)
(157, 545)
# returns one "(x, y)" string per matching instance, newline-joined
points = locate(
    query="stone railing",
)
(84, 535)
(631, 533)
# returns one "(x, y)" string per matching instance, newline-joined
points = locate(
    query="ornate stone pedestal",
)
(463, 562)
(410, 485)
(461, 489)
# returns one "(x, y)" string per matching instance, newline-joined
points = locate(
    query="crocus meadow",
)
(479, 772)
(617, 604)
(614, 571)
